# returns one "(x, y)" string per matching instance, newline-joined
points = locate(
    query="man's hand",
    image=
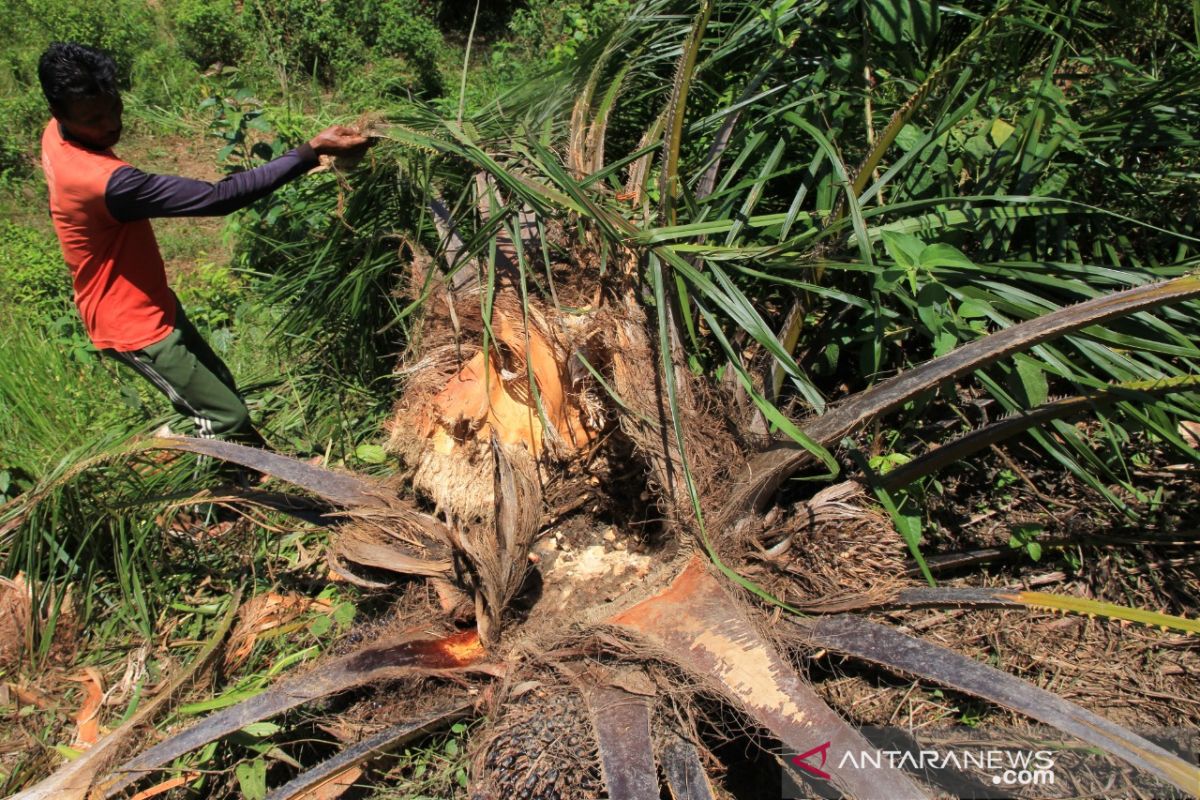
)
(339, 140)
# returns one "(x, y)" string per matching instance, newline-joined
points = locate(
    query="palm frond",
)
(895, 650)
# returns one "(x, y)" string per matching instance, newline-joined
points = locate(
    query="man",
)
(101, 207)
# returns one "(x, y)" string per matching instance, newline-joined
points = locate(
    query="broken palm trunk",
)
(519, 392)
(489, 408)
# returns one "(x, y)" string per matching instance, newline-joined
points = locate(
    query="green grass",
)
(434, 770)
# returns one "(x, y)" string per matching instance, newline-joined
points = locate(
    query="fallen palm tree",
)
(585, 348)
(686, 622)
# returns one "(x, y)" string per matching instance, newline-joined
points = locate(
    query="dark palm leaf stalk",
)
(564, 322)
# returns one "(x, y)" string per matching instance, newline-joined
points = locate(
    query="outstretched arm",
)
(132, 194)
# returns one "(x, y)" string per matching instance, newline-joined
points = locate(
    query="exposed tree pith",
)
(491, 394)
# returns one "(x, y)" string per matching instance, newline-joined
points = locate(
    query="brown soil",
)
(184, 241)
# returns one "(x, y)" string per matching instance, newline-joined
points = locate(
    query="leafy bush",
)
(209, 30)
(334, 40)
(22, 115)
(35, 283)
(551, 32)
(537, 37)
(122, 28)
(125, 29)
(211, 294)
(32, 273)
(404, 30)
(383, 78)
(304, 38)
(162, 77)
(239, 120)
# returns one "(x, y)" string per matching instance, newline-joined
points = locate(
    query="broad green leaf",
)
(904, 248)
(1033, 380)
(370, 454)
(909, 525)
(252, 779)
(944, 255)
(931, 307)
(974, 309)
(343, 614)
(1000, 131)
(320, 626)
(943, 343)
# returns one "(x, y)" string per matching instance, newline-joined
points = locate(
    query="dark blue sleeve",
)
(132, 194)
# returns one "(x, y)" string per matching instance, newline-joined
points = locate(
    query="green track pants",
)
(196, 381)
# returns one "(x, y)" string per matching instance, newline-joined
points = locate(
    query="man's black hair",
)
(70, 71)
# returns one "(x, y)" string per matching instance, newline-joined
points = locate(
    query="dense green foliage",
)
(32, 273)
(839, 192)
(210, 32)
(330, 41)
(1027, 167)
(784, 234)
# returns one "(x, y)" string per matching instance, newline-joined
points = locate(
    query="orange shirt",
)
(120, 282)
